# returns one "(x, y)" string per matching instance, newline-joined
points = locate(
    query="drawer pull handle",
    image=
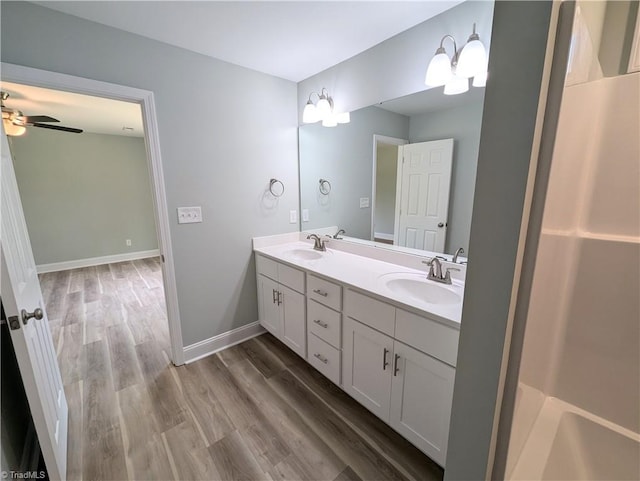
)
(384, 359)
(321, 358)
(320, 323)
(280, 296)
(320, 293)
(274, 295)
(396, 369)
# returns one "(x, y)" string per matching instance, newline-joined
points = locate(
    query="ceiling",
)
(92, 114)
(289, 39)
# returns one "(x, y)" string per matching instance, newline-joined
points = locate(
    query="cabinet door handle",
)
(274, 295)
(320, 323)
(396, 369)
(280, 296)
(321, 358)
(384, 359)
(320, 293)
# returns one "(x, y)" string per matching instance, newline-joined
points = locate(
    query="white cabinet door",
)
(421, 396)
(294, 331)
(367, 368)
(269, 309)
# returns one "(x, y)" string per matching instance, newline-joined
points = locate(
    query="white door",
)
(367, 367)
(421, 396)
(269, 305)
(20, 291)
(294, 329)
(422, 194)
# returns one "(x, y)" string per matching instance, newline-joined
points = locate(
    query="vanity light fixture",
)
(323, 111)
(454, 72)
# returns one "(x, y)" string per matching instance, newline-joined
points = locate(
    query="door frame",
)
(145, 98)
(379, 139)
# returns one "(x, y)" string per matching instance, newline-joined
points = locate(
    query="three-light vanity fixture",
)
(323, 111)
(454, 73)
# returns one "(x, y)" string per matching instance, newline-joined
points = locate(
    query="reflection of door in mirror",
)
(422, 193)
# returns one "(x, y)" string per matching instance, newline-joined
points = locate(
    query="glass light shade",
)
(480, 79)
(473, 59)
(12, 129)
(343, 118)
(439, 70)
(323, 108)
(457, 85)
(330, 121)
(310, 113)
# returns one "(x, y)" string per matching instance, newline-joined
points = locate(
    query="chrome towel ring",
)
(276, 187)
(324, 186)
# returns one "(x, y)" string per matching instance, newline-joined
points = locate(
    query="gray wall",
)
(386, 177)
(344, 156)
(84, 195)
(397, 66)
(463, 125)
(218, 150)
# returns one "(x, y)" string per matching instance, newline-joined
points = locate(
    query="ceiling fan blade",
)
(30, 119)
(57, 127)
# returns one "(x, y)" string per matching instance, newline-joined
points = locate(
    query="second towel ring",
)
(276, 190)
(324, 186)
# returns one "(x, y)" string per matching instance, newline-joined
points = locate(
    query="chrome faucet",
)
(318, 242)
(341, 231)
(435, 271)
(457, 254)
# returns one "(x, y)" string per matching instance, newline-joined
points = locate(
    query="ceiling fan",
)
(15, 122)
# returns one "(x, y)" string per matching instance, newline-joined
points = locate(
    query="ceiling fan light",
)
(343, 118)
(473, 58)
(439, 69)
(310, 113)
(456, 85)
(12, 129)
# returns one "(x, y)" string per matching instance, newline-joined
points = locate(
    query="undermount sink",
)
(417, 287)
(303, 254)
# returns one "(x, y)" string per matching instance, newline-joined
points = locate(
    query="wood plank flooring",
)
(255, 411)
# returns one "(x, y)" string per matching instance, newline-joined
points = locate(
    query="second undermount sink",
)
(303, 254)
(417, 287)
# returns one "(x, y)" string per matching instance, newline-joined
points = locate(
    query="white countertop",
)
(365, 274)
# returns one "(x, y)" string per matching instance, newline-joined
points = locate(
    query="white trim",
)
(96, 261)
(69, 83)
(383, 236)
(385, 140)
(205, 348)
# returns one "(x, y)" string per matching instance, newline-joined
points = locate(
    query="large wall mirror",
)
(352, 176)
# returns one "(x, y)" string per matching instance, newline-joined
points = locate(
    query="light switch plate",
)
(305, 215)
(189, 215)
(293, 216)
(364, 202)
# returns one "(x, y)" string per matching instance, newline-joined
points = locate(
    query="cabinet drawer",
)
(370, 311)
(428, 336)
(324, 358)
(291, 277)
(267, 267)
(325, 292)
(324, 323)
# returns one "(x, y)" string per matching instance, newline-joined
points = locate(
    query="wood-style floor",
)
(255, 411)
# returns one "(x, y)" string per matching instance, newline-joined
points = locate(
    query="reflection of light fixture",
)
(11, 129)
(453, 72)
(323, 111)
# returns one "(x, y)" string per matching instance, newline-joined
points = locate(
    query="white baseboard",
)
(96, 261)
(205, 348)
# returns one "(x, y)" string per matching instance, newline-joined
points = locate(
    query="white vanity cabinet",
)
(409, 389)
(281, 303)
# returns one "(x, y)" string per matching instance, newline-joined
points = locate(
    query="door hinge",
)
(14, 322)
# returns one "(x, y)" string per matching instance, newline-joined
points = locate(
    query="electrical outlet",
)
(364, 202)
(128, 242)
(189, 215)
(293, 216)
(305, 215)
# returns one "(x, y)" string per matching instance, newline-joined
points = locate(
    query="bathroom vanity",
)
(370, 322)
